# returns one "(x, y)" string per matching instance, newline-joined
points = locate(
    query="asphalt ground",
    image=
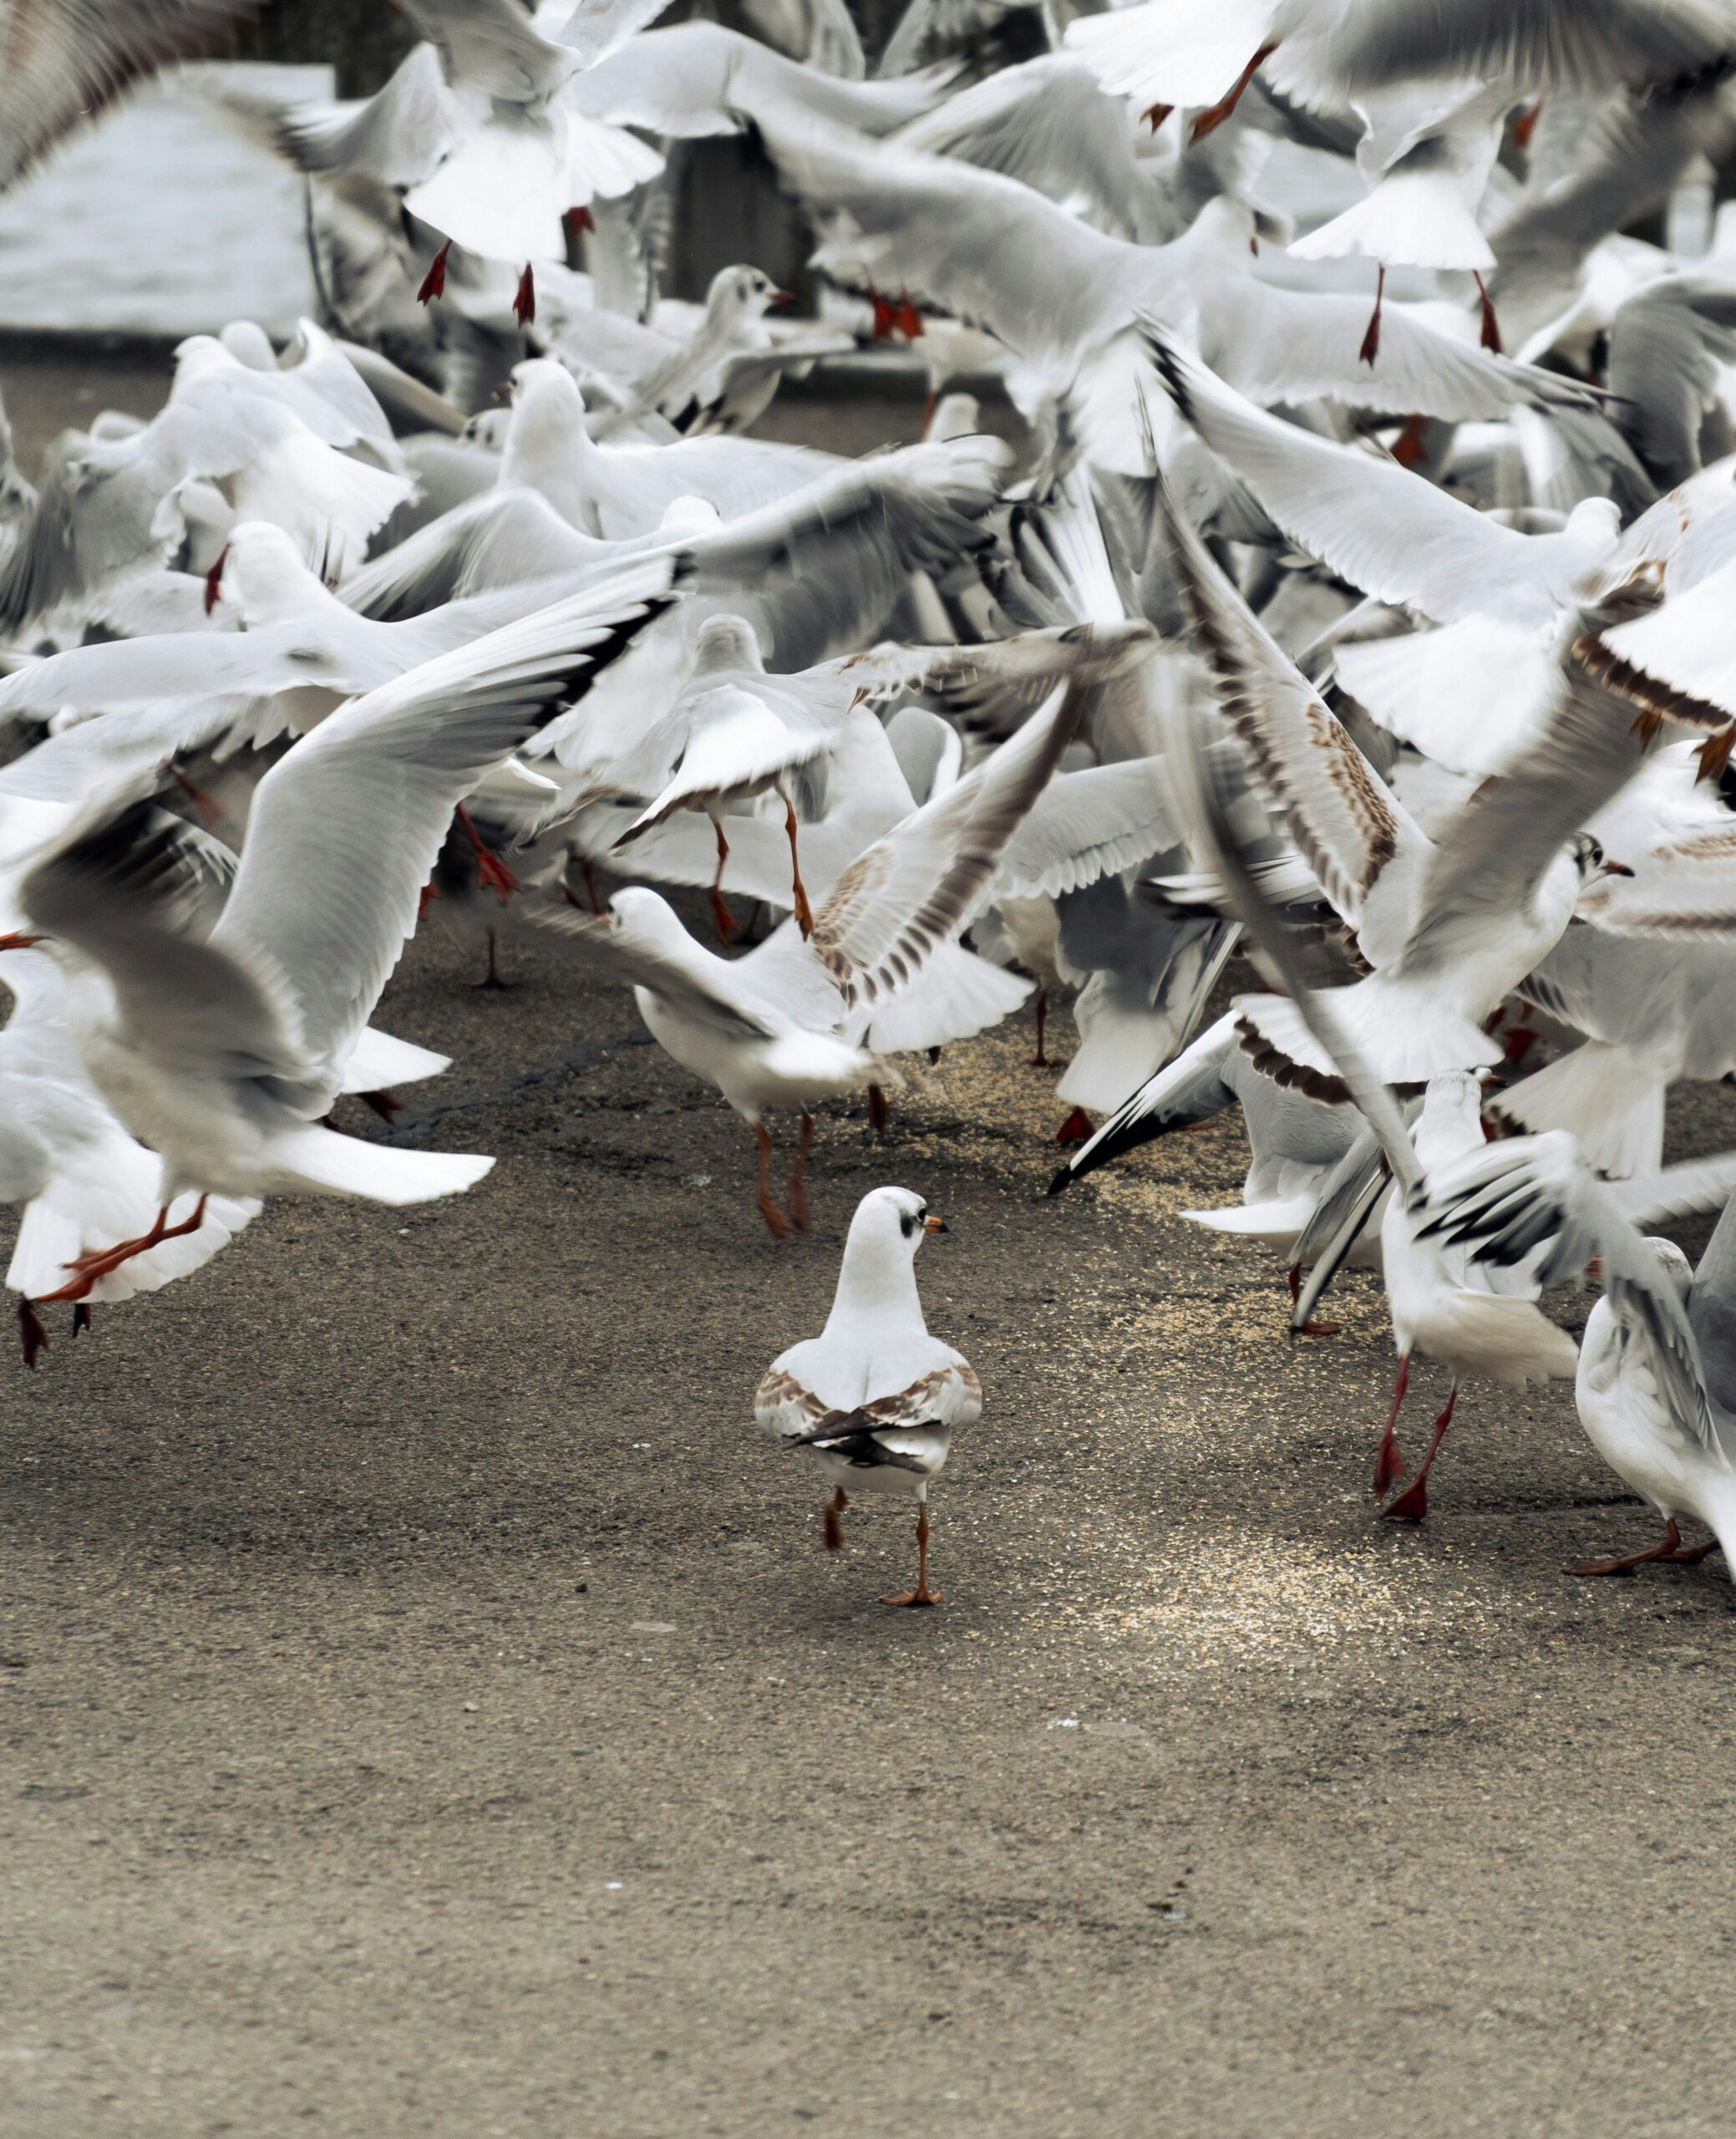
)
(428, 1709)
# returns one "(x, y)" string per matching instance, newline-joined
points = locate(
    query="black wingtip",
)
(1061, 1178)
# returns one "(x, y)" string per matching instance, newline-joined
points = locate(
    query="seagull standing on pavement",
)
(873, 1401)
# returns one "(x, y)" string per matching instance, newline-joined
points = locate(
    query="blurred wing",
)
(1086, 824)
(1395, 535)
(1688, 889)
(62, 62)
(1346, 823)
(920, 886)
(633, 962)
(345, 830)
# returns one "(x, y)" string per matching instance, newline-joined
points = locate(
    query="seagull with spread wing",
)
(781, 1028)
(224, 1051)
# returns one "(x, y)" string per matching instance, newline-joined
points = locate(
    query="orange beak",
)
(13, 940)
(934, 1225)
(782, 296)
(1617, 869)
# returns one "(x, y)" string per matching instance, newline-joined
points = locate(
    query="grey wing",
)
(1086, 825)
(1189, 1089)
(633, 962)
(1398, 536)
(1667, 346)
(346, 828)
(992, 252)
(1347, 824)
(1489, 860)
(1528, 1200)
(596, 28)
(1274, 344)
(119, 893)
(919, 886)
(492, 45)
(398, 138)
(1539, 43)
(1048, 124)
(499, 538)
(61, 64)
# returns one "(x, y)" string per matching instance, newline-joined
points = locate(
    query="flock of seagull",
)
(1359, 601)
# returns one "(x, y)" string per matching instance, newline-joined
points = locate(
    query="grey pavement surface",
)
(428, 1708)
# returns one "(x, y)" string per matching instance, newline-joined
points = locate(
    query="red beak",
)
(1617, 869)
(214, 580)
(782, 296)
(14, 941)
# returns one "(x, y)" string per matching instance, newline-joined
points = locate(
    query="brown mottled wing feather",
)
(1347, 823)
(62, 62)
(786, 1408)
(920, 886)
(951, 1396)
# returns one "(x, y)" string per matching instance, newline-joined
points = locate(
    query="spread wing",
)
(62, 62)
(627, 957)
(919, 886)
(1349, 827)
(346, 828)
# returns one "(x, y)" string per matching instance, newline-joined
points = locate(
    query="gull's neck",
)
(877, 1283)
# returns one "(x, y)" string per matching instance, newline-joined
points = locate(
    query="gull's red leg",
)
(1292, 1278)
(833, 1528)
(491, 869)
(798, 1191)
(1213, 116)
(1388, 1463)
(1412, 1505)
(722, 919)
(803, 911)
(1370, 339)
(774, 1217)
(99, 1263)
(1671, 1549)
(922, 1594)
(32, 1338)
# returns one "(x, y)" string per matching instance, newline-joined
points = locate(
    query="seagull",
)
(1657, 1377)
(1451, 925)
(111, 509)
(224, 1052)
(1321, 54)
(694, 379)
(735, 733)
(781, 1028)
(1066, 299)
(1294, 1142)
(81, 1180)
(472, 134)
(874, 1401)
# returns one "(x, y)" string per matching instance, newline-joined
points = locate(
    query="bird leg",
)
(524, 302)
(722, 919)
(879, 1115)
(1371, 340)
(1490, 336)
(386, 1106)
(433, 282)
(81, 1318)
(492, 978)
(1388, 1463)
(425, 899)
(922, 1594)
(208, 806)
(1155, 115)
(597, 904)
(778, 1224)
(1076, 1129)
(833, 1528)
(88, 1268)
(1213, 116)
(1292, 1278)
(929, 406)
(1525, 126)
(491, 869)
(1672, 1549)
(798, 1193)
(1412, 1505)
(803, 911)
(32, 1338)
(1039, 1060)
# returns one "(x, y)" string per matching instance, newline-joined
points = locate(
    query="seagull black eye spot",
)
(907, 1224)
